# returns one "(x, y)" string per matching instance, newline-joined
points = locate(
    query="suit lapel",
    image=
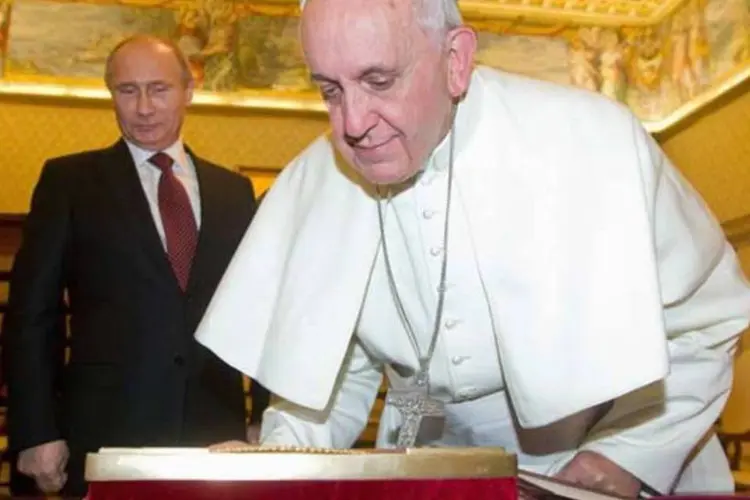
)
(120, 172)
(210, 197)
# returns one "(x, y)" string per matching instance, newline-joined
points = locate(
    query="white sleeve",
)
(706, 298)
(342, 422)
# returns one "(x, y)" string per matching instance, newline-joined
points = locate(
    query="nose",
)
(144, 105)
(358, 116)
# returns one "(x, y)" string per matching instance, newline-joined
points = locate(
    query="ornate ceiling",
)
(593, 12)
(665, 59)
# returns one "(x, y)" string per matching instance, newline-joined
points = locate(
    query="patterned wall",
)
(713, 151)
(33, 130)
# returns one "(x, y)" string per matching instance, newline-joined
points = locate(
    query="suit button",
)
(179, 360)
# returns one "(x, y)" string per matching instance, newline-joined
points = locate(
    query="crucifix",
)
(423, 416)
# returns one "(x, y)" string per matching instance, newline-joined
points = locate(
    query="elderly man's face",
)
(389, 87)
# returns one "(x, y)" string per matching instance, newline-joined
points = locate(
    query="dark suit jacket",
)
(136, 376)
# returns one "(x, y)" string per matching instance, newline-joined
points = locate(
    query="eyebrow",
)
(367, 72)
(134, 83)
(317, 77)
(377, 70)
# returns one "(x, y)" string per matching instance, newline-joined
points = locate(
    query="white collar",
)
(467, 110)
(176, 151)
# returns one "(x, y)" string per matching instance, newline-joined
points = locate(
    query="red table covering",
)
(400, 489)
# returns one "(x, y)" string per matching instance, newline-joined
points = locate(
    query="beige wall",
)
(32, 130)
(713, 151)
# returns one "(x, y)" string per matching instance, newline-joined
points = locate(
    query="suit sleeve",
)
(251, 192)
(342, 422)
(652, 432)
(34, 327)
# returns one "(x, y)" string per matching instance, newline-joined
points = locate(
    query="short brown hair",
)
(187, 75)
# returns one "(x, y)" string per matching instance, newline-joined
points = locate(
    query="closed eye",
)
(329, 92)
(380, 84)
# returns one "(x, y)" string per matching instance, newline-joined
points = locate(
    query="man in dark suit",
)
(138, 236)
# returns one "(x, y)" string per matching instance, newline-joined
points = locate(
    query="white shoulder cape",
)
(561, 187)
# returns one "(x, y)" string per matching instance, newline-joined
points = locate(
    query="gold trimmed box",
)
(291, 474)
(276, 464)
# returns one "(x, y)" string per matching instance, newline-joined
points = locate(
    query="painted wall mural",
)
(653, 69)
(230, 48)
(246, 53)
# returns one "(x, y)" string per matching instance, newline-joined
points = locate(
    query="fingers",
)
(599, 473)
(52, 479)
(51, 483)
(227, 446)
(582, 471)
(46, 464)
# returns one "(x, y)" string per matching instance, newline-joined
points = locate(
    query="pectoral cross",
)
(423, 416)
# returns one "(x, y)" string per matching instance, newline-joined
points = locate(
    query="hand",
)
(595, 471)
(227, 445)
(253, 434)
(46, 464)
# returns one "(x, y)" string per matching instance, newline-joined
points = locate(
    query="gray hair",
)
(435, 16)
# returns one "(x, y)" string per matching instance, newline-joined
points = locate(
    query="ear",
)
(462, 44)
(189, 88)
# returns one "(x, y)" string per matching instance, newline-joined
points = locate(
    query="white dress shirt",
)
(149, 174)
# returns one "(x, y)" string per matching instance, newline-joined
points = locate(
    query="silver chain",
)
(424, 361)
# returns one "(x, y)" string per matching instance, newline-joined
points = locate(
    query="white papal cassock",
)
(582, 268)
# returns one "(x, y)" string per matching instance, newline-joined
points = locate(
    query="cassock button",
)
(451, 323)
(467, 394)
(435, 251)
(428, 214)
(458, 360)
(179, 360)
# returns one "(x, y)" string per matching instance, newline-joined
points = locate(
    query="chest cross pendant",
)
(423, 416)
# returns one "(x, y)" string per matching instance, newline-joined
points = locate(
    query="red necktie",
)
(177, 218)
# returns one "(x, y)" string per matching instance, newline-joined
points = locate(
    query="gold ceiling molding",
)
(633, 13)
(617, 13)
(700, 103)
